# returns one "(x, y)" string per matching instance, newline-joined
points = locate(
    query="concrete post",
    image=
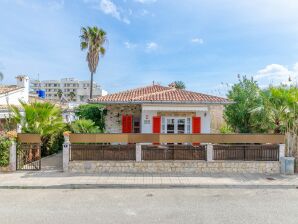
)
(282, 148)
(209, 152)
(138, 152)
(66, 150)
(13, 156)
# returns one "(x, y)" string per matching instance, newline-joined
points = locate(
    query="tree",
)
(1, 76)
(40, 118)
(278, 109)
(59, 94)
(93, 39)
(94, 112)
(245, 96)
(179, 85)
(72, 95)
(84, 126)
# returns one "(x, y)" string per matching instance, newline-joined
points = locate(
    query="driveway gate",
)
(28, 156)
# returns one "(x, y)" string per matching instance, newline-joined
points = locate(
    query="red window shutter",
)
(196, 125)
(126, 123)
(156, 124)
(124, 128)
(129, 124)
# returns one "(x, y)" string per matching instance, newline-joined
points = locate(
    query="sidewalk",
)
(59, 180)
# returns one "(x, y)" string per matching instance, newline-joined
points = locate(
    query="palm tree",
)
(93, 39)
(1, 76)
(39, 118)
(72, 95)
(84, 126)
(59, 93)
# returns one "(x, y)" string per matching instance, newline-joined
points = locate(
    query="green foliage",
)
(5, 143)
(72, 95)
(179, 85)
(226, 129)
(59, 93)
(278, 109)
(272, 110)
(245, 95)
(84, 127)
(1, 76)
(94, 112)
(44, 119)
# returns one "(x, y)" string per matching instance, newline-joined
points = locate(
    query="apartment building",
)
(72, 89)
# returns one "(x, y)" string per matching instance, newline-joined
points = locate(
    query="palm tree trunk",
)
(91, 86)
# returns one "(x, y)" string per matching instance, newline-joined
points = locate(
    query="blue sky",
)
(201, 42)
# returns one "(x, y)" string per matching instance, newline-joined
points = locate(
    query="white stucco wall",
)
(13, 97)
(147, 118)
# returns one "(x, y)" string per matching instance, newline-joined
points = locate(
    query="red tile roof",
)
(159, 94)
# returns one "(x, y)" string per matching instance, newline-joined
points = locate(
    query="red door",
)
(156, 124)
(126, 123)
(196, 127)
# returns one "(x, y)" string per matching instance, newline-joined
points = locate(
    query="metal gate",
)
(28, 156)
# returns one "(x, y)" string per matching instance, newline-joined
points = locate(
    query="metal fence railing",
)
(173, 152)
(102, 152)
(246, 152)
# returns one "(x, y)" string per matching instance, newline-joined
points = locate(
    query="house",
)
(11, 95)
(162, 109)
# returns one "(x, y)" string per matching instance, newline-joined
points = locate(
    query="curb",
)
(152, 186)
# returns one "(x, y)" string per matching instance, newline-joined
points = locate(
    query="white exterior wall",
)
(147, 116)
(205, 121)
(14, 97)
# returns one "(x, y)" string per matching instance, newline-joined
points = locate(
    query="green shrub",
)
(226, 129)
(4, 151)
(84, 127)
(94, 112)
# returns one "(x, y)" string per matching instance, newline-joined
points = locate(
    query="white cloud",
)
(151, 46)
(145, 1)
(130, 45)
(197, 40)
(108, 7)
(277, 74)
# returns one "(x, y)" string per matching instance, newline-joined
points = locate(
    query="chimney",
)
(23, 82)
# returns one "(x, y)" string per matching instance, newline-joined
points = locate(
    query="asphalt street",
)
(183, 205)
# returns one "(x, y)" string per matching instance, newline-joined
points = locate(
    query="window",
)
(163, 125)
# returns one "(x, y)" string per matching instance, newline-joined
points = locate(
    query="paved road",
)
(149, 206)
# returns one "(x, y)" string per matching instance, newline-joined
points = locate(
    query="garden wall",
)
(174, 167)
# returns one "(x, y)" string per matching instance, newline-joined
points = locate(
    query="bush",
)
(4, 151)
(93, 112)
(84, 127)
(226, 129)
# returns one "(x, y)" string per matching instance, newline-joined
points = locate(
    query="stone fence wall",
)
(174, 167)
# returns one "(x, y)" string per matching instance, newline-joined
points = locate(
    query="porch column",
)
(138, 152)
(282, 148)
(209, 152)
(66, 150)
(13, 156)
